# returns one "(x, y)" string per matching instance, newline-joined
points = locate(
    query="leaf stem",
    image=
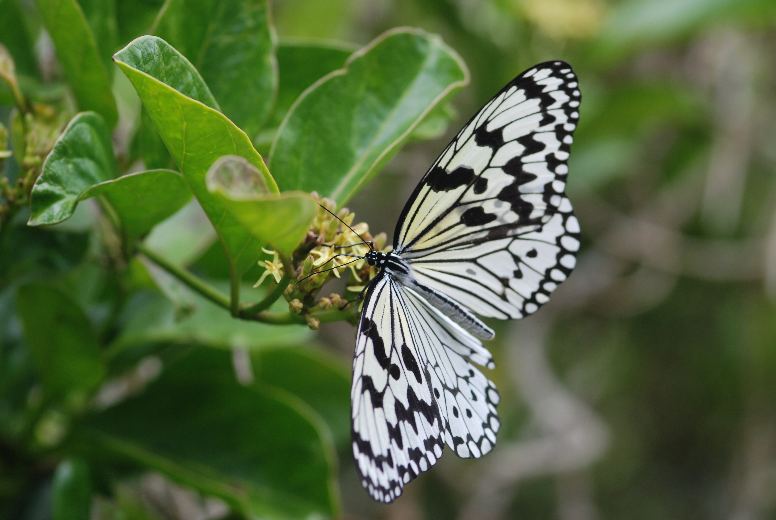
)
(234, 294)
(290, 318)
(256, 312)
(264, 304)
(187, 278)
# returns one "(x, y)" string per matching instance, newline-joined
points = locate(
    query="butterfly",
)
(488, 232)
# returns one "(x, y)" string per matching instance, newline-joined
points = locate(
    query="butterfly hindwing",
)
(415, 389)
(489, 224)
(466, 398)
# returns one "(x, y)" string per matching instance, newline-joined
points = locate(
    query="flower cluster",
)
(334, 248)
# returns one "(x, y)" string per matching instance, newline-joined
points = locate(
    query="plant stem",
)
(276, 293)
(289, 318)
(234, 294)
(277, 318)
(256, 312)
(187, 278)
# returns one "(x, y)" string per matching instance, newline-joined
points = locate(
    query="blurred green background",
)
(643, 390)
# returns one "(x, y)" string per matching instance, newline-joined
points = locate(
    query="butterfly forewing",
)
(489, 224)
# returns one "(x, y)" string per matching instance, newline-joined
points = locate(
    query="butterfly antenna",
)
(371, 248)
(329, 269)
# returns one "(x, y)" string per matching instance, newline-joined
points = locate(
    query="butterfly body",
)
(393, 265)
(488, 232)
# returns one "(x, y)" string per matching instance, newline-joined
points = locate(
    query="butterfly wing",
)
(466, 398)
(414, 389)
(489, 224)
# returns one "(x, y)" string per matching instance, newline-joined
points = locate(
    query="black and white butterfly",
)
(488, 232)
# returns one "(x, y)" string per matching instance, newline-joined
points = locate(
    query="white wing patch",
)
(490, 225)
(414, 389)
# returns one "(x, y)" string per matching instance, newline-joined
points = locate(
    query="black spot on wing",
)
(368, 387)
(480, 185)
(415, 405)
(535, 91)
(530, 144)
(512, 195)
(514, 167)
(441, 180)
(493, 139)
(365, 447)
(497, 232)
(477, 217)
(410, 363)
(369, 329)
(553, 162)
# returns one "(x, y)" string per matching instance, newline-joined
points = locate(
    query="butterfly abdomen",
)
(455, 311)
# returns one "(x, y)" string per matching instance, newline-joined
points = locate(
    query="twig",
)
(250, 313)
(268, 300)
(191, 281)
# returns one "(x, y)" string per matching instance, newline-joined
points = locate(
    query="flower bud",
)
(313, 322)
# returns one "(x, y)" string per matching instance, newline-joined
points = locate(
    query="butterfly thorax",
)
(389, 262)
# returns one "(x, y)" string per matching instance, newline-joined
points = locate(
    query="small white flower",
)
(272, 267)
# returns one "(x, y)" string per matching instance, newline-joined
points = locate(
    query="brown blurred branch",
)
(770, 259)
(731, 58)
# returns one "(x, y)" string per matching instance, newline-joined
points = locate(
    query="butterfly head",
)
(375, 258)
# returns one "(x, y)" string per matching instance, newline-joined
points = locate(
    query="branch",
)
(255, 312)
(192, 282)
(268, 300)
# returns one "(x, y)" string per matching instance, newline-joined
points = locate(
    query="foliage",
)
(82, 324)
(159, 159)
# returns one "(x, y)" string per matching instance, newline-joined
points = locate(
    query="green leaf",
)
(435, 124)
(195, 134)
(17, 38)
(101, 16)
(279, 220)
(148, 146)
(136, 18)
(151, 319)
(156, 59)
(230, 42)
(317, 378)
(71, 490)
(301, 64)
(184, 237)
(143, 199)
(77, 52)
(257, 448)
(82, 156)
(344, 129)
(305, 19)
(63, 344)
